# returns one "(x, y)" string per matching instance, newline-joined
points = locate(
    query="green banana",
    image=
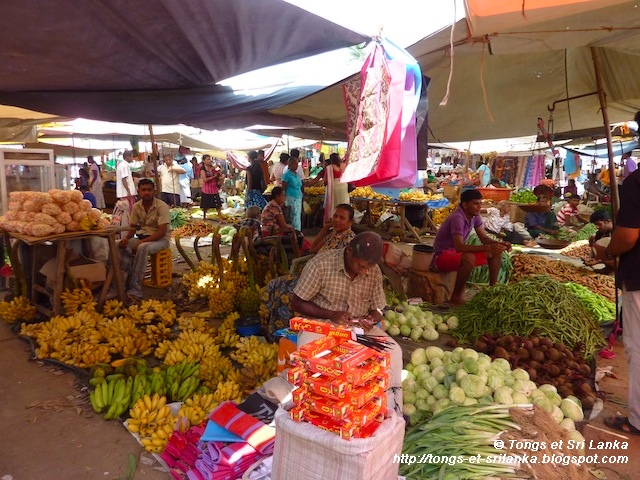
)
(175, 386)
(111, 413)
(94, 404)
(105, 394)
(111, 392)
(118, 391)
(95, 381)
(115, 376)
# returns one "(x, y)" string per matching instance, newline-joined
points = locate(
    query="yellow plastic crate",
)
(160, 275)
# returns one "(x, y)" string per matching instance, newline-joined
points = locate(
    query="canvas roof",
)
(156, 61)
(513, 60)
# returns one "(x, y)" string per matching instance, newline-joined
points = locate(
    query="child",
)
(252, 220)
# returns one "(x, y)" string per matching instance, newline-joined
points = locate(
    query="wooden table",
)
(13, 241)
(406, 229)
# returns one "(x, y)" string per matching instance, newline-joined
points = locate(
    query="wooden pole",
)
(154, 159)
(615, 199)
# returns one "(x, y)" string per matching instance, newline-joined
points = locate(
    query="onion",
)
(553, 354)
(536, 355)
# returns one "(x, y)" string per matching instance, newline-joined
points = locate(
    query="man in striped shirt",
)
(568, 214)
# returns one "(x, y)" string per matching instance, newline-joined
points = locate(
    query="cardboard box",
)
(92, 272)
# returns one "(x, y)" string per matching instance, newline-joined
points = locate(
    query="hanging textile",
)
(408, 153)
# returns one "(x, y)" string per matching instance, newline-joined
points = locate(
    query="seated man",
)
(568, 215)
(452, 254)
(498, 223)
(541, 222)
(149, 222)
(602, 220)
(344, 286)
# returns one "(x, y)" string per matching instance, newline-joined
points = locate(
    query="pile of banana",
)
(439, 215)
(418, 196)
(251, 352)
(18, 309)
(195, 410)
(151, 419)
(368, 192)
(200, 282)
(228, 390)
(192, 345)
(227, 335)
(113, 393)
(86, 337)
(182, 380)
(315, 190)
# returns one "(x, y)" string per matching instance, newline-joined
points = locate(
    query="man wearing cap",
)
(568, 214)
(344, 286)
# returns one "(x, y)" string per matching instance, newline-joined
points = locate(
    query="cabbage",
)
(409, 385)
(409, 367)
(418, 356)
(502, 395)
(520, 374)
(484, 362)
(416, 333)
(470, 365)
(461, 373)
(547, 387)
(437, 319)
(412, 321)
(442, 327)
(385, 324)
(519, 398)
(429, 383)
(391, 315)
(422, 322)
(421, 394)
(469, 353)
(440, 391)
(474, 386)
(452, 322)
(449, 381)
(436, 362)
(502, 364)
(494, 382)
(568, 424)
(428, 315)
(430, 334)
(456, 395)
(409, 397)
(415, 419)
(421, 369)
(433, 352)
(469, 401)
(441, 405)
(405, 330)
(439, 373)
(557, 414)
(408, 409)
(452, 368)
(401, 319)
(456, 354)
(554, 398)
(422, 405)
(394, 331)
(544, 403)
(572, 409)
(576, 436)
(409, 375)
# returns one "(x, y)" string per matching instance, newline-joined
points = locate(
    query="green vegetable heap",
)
(523, 196)
(602, 309)
(537, 305)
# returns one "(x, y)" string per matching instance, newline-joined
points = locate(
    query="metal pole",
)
(615, 199)
(154, 158)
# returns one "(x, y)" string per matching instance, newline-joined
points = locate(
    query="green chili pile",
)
(536, 305)
(602, 309)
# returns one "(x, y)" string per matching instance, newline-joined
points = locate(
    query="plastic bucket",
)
(421, 257)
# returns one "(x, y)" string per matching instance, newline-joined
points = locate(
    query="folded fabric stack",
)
(182, 451)
(220, 462)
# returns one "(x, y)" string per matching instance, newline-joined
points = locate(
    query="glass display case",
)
(25, 170)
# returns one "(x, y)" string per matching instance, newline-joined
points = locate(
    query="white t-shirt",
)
(170, 178)
(299, 171)
(123, 174)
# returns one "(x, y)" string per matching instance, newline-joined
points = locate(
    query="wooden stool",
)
(161, 270)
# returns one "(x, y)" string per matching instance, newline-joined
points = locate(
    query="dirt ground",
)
(49, 431)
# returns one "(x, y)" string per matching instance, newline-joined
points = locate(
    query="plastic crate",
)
(495, 194)
(161, 272)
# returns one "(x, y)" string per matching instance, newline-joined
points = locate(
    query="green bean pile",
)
(585, 232)
(602, 309)
(536, 305)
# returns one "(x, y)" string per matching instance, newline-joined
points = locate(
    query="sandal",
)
(621, 424)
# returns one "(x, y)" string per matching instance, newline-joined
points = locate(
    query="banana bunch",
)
(112, 308)
(197, 322)
(196, 410)
(439, 215)
(199, 282)
(250, 301)
(157, 333)
(112, 395)
(418, 196)
(151, 418)
(87, 223)
(153, 311)
(251, 352)
(216, 369)
(315, 190)
(18, 309)
(222, 300)
(77, 299)
(182, 380)
(227, 336)
(368, 192)
(191, 345)
(228, 390)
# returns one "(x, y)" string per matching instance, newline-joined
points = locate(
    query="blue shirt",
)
(188, 174)
(91, 197)
(294, 184)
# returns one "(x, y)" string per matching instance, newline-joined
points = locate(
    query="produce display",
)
(367, 192)
(418, 196)
(178, 217)
(523, 196)
(545, 362)
(439, 215)
(315, 190)
(443, 447)
(194, 229)
(579, 249)
(19, 309)
(585, 232)
(438, 379)
(41, 214)
(602, 309)
(416, 322)
(535, 305)
(527, 265)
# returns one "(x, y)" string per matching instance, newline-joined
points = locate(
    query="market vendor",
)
(149, 233)
(569, 215)
(452, 254)
(498, 223)
(602, 220)
(344, 286)
(544, 221)
(337, 233)
(272, 218)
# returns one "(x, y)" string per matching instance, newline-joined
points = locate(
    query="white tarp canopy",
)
(511, 61)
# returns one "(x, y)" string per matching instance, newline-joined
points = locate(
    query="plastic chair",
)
(161, 270)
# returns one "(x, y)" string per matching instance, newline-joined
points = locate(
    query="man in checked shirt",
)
(344, 286)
